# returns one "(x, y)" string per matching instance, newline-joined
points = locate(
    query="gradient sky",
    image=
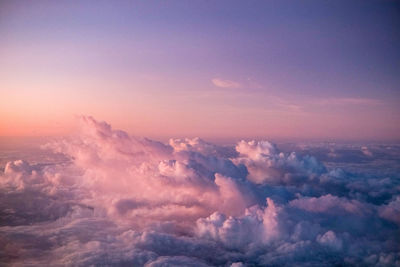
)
(325, 70)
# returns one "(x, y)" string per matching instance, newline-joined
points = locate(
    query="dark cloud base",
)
(109, 199)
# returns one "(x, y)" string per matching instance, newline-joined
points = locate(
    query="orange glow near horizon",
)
(198, 80)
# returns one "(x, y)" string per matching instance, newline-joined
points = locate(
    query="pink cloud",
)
(119, 199)
(225, 83)
(349, 101)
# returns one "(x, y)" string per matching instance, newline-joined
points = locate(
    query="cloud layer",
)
(119, 200)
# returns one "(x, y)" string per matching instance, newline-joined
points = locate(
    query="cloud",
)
(225, 83)
(257, 226)
(266, 164)
(330, 204)
(119, 200)
(330, 239)
(366, 151)
(391, 211)
(350, 101)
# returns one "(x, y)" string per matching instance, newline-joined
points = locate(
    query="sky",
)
(304, 70)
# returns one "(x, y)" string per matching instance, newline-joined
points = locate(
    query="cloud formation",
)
(350, 101)
(225, 83)
(119, 200)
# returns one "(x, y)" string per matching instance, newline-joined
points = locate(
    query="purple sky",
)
(215, 69)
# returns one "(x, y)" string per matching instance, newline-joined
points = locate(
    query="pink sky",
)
(191, 71)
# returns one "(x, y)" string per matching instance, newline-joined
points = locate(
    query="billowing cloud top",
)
(119, 200)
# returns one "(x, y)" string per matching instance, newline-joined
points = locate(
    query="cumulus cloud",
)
(266, 164)
(119, 200)
(225, 83)
(330, 204)
(391, 211)
(329, 239)
(256, 226)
